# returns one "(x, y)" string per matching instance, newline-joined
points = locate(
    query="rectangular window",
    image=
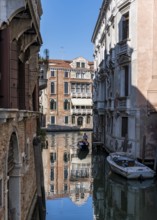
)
(82, 65)
(125, 26)
(124, 128)
(52, 174)
(77, 64)
(65, 188)
(73, 119)
(52, 120)
(52, 188)
(66, 90)
(52, 87)
(52, 157)
(78, 75)
(66, 74)
(73, 87)
(65, 173)
(53, 104)
(66, 119)
(53, 73)
(88, 119)
(126, 86)
(1, 191)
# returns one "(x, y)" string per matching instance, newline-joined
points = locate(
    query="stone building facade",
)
(125, 84)
(20, 42)
(67, 100)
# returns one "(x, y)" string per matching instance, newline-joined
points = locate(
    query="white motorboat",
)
(128, 167)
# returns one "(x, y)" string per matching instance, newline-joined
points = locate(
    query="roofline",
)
(100, 16)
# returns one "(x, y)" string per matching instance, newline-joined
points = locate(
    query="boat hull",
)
(139, 171)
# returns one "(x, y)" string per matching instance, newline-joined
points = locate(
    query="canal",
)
(81, 185)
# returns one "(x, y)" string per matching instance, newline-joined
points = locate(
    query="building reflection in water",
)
(66, 173)
(116, 198)
(78, 177)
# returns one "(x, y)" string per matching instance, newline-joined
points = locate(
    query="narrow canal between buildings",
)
(81, 185)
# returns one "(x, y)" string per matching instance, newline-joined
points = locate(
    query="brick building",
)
(20, 42)
(67, 100)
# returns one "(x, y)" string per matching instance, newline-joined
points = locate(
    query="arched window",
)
(53, 104)
(66, 104)
(80, 121)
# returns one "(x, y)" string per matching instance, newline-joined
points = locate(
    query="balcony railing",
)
(81, 111)
(81, 95)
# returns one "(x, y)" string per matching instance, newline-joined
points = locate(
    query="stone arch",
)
(13, 208)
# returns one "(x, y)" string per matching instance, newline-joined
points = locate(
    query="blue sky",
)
(67, 27)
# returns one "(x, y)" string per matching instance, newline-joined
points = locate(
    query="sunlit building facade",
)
(67, 101)
(125, 88)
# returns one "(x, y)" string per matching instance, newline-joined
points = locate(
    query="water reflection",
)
(67, 172)
(81, 185)
(116, 198)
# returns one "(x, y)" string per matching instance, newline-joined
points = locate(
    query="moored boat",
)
(128, 167)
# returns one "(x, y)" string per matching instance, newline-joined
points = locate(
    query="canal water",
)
(81, 185)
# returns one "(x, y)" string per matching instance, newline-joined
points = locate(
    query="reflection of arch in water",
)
(80, 121)
(13, 182)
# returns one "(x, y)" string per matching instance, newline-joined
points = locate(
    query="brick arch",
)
(13, 210)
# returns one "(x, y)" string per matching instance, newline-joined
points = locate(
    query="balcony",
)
(81, 95)
(124, 103)
(81, 111)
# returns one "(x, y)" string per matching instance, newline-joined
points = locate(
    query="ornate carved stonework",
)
(123, 59)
